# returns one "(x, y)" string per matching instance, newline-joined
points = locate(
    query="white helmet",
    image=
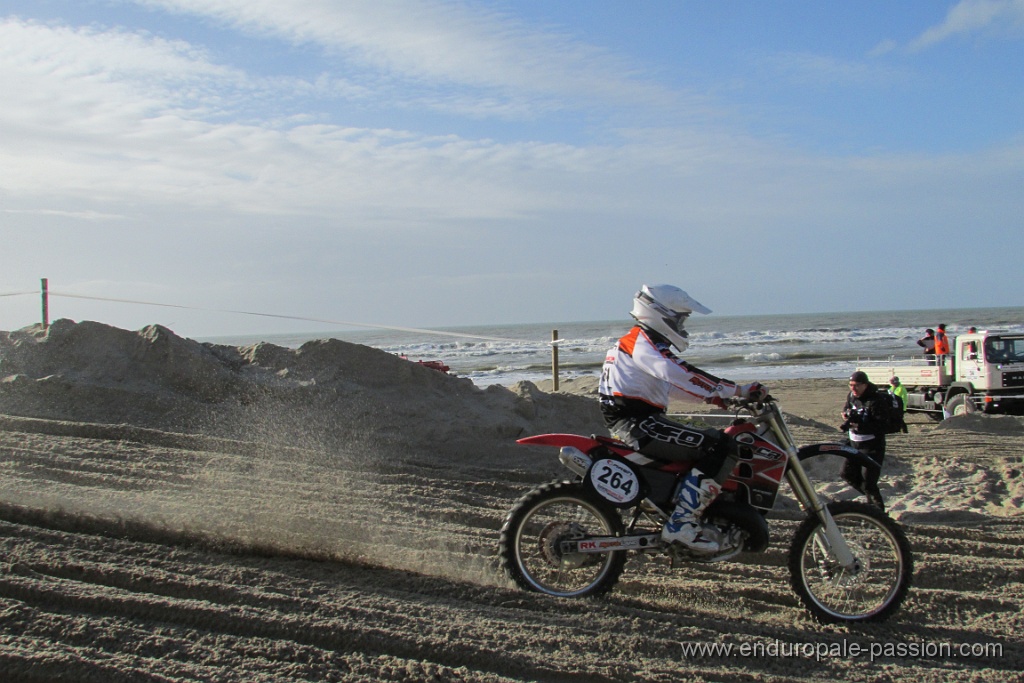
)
(664, 309)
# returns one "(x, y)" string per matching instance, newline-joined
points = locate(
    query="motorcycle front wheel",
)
(874, 587)
(530, 545)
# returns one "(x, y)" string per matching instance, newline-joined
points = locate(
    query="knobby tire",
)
(871, 593)
(528, 544)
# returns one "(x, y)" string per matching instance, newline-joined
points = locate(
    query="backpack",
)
(889, 411)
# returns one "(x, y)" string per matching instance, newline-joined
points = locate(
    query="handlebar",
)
(754, 408)
(746, 402)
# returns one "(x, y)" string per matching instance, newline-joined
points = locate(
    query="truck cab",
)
(995, 372)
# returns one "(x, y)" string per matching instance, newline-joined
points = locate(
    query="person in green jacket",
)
(896, 388)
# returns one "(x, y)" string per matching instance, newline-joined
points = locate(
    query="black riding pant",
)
(711, 450)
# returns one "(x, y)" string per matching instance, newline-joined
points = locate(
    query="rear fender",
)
(587, 444)
(584, 443)
(841, 450)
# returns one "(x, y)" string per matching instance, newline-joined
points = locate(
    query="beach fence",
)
(44, 285)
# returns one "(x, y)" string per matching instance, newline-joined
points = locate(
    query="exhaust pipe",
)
(574, 459)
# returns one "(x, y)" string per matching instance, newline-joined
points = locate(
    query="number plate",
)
(615, 481)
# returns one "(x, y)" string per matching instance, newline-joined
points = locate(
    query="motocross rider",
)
(640, 375)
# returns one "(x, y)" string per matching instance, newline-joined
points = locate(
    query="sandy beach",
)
(177, 511)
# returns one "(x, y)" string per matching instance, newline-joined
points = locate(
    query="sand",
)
(176, 511)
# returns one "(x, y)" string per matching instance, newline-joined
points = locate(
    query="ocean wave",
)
(761, 357)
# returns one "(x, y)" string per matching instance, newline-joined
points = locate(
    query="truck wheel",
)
(959, 405)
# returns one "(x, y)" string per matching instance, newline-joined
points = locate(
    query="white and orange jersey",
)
(641, 375)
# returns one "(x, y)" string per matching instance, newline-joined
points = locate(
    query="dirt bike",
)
(848, 561)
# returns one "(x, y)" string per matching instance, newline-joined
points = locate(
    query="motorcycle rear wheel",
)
(529, 545)
(872, 591)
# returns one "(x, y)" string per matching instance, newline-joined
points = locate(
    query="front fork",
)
(831, 541)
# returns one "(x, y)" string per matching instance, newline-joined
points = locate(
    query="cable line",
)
(290, 317)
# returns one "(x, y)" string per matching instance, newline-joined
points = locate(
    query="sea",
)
(739, 348)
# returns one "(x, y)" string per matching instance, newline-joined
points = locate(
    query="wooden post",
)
(46, 302)
(554, 360)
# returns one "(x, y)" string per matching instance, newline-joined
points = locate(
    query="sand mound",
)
(327, 394)
(987, 424)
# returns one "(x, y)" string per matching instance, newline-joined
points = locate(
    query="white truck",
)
(983, 372)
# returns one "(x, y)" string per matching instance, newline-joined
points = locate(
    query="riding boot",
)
(684, 526)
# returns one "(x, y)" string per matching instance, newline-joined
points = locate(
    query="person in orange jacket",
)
(941, 344)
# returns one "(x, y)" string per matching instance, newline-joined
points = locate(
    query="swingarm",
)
(607, 544)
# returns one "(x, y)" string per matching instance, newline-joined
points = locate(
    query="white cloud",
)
(442, 44)
(971, 16)
(110, 116)
(114, 121)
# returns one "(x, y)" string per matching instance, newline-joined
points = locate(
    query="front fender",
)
(842, 450)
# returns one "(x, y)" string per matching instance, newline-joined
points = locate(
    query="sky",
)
(427, 163)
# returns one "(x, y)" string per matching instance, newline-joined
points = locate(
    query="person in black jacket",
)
(927, 342)
(864, 420)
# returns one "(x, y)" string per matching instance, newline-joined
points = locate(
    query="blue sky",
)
(427, 164)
